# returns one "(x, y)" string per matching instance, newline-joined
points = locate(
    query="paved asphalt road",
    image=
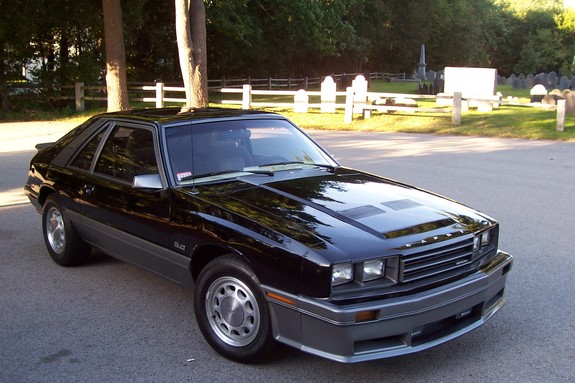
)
(112, 322)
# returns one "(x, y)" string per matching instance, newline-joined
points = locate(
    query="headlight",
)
(481, 240)
(341, 273)
(485, 238)
(373, 270)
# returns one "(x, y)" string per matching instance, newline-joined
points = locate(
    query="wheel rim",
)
(233, 312)
(55, 230)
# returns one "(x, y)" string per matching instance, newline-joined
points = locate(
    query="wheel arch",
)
(45, 192)
(204, 254)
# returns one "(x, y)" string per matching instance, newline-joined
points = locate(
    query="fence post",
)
(456, 111)
(159, 95)
(348, 115)
(247, 96)
(561, 115)
(79, 96)
(269, 83)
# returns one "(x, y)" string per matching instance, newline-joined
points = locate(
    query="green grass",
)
(505, 121)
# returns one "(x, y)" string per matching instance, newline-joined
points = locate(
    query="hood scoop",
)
(421, 228)
(361, 212)
(401, 204)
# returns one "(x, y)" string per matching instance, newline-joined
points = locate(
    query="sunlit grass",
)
(505, 121)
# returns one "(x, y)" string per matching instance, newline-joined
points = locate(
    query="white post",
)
(348, 116)
(456, 112)
(247, 97)
(159, 95)
(561, 115)
(79, 96)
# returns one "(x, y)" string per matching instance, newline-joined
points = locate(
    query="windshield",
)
(224, 149)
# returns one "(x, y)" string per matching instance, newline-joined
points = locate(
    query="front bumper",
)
(396, 326)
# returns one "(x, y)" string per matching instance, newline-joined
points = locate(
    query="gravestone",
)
(552, 80)
(301, 101)
(328, 95)
(538, 92)
(431, 75)
(557, 95)
(569, 101)
(541, 78)
(572, 86)
(548, 100)
(564, 83)
(510, 80)
(359, 85)
(529, 80)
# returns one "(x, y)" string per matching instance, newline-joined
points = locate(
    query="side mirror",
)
(148, 181)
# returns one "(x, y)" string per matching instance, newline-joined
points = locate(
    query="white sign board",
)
(471, 82)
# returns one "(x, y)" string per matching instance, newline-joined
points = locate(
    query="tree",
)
(116, 82)
(191, 36)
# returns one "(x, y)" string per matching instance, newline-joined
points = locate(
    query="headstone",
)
(510, 80)
(328, 96)
(541, 79)
(572, 86)
(359, 86)
(556, 94)
(569, 101)
(522, 83)
(529, 80)
(537, 93)
(438, 85)
(537, 80)
(548, 100)
(301, 101)
(552, 80)
(431, 75)
(564, 83)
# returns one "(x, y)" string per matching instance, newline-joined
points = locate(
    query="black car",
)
(276, 239)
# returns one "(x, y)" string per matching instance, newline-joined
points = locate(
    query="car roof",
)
(174, 114)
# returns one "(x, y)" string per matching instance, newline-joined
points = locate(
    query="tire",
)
(62, 240)
(231, 311)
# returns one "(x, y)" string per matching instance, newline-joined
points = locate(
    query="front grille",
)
(438, 262)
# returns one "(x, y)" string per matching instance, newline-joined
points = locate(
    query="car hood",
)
(355, 213)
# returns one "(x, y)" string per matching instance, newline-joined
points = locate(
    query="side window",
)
(128, 152)
(84, 159)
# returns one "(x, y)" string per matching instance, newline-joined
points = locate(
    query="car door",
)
(129, 223)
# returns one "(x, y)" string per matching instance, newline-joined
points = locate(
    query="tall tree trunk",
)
(191, 36)
(116, 83)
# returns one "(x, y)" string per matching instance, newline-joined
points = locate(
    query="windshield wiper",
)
(331, 168)
(218, 173)
(282, 163)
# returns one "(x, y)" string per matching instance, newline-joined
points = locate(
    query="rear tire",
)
(62, 240)
(232, 312)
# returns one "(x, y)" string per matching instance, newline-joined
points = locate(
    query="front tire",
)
(231, 311)
(62, 240)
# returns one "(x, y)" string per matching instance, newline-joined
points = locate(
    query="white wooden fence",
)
(354, 100)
